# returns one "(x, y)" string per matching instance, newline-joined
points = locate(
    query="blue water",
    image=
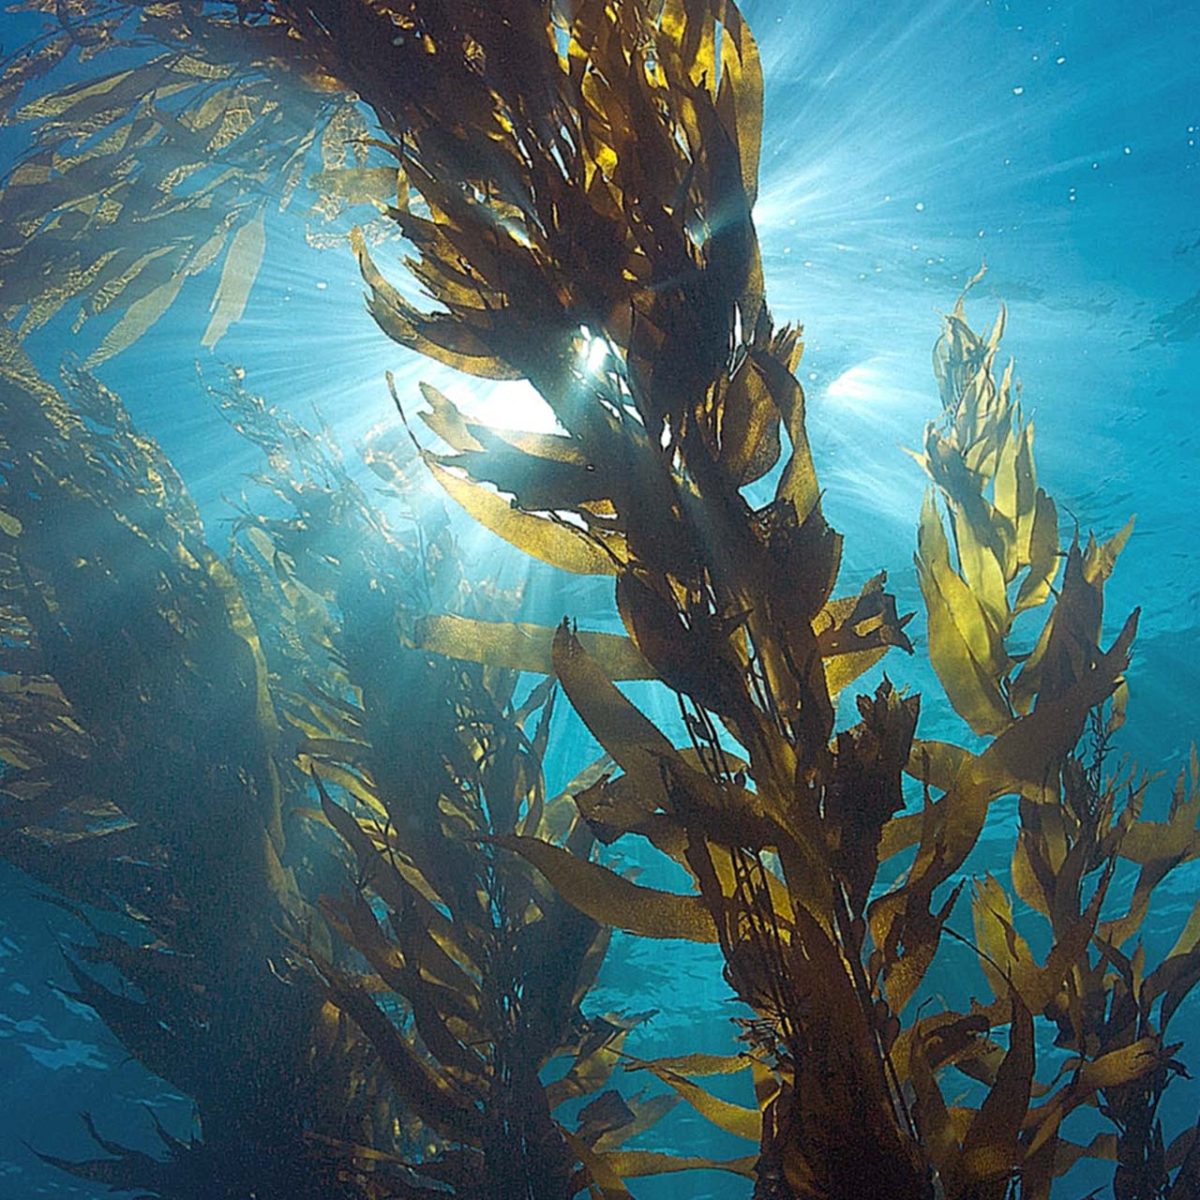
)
(905, 145)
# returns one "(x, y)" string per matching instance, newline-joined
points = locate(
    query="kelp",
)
(488, 966)
(671, 387)
(576, 181)
(141, 779)
(141, 179)
(373, 1054)
(321, 618)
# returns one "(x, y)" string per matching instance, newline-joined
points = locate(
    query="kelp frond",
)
(148, 176)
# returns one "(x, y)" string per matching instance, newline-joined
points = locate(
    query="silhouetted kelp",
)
(577, 180)
(141, 778)
(442, 762)
(130, 787)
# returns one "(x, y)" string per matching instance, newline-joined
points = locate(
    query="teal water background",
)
(905, 145)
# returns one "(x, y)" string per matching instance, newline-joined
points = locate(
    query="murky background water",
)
(905, 145)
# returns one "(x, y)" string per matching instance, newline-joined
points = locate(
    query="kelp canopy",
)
(574, 183)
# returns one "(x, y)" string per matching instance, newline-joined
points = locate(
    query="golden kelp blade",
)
(637, 1164)
(557, 543)
(965, 647)
(242, 262)
(521, 646)
(608, 898)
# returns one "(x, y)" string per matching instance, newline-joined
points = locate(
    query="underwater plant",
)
(576, 182)
(141, 781)
(474, 978)
(489, 964)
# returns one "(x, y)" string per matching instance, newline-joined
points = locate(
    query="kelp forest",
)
(292, 791)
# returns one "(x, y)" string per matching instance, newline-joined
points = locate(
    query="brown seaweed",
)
(488, 965)
(141, 777)
(576, 181)
(374, 1052)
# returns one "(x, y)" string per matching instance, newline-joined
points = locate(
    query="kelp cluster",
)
(438, 761)
(575, 181)
(389, 1041)
(142, 178)
(141, 778)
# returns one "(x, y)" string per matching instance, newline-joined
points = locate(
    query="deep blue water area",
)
(906, 145)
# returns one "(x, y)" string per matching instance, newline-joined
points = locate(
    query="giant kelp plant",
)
(441, 760)
(575, 182)
(141, 778)
(396, 1036)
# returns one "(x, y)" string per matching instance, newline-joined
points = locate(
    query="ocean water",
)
(905, 146)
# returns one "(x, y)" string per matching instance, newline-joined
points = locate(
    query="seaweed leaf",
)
(521, 646)
(242, 263)
(612, 900)
(554, 542)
